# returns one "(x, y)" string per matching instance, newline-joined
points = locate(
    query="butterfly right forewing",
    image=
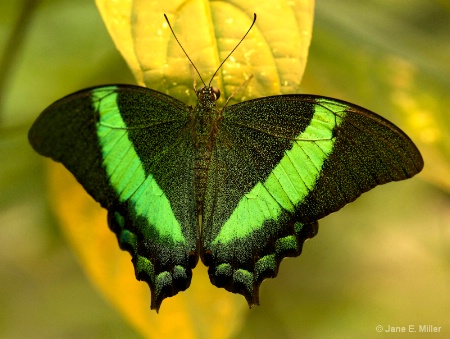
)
(280, 164)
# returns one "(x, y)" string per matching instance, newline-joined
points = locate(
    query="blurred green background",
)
(383, 260)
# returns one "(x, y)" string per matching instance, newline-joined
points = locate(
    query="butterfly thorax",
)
(206, 118)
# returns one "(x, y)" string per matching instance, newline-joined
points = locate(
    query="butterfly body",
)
(206, 119)
(240, 187)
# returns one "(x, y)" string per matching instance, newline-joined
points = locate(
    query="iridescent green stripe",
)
(125, 170)
(291, 180)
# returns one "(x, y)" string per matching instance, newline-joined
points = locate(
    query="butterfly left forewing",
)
(281, 163)
(131, 149)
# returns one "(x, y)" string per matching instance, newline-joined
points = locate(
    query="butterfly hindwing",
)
(131, 148)
(281, 163)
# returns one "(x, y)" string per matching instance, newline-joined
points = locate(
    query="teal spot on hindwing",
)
(267, 263)
(298, 227)
(245, 278)
(292, 179)
(224, 269)
(144, 265)
(129, 238)
(179, 272)
(286, 244)
(125, 171)
(164, 279)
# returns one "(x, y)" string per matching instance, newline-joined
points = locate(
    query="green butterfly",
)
(242, 187)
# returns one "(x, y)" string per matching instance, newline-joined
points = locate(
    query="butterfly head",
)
(208, 95)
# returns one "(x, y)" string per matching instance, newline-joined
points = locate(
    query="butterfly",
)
(240, 187)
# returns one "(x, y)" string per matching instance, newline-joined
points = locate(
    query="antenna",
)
(165, 16)
(215, 73)
(254, 19)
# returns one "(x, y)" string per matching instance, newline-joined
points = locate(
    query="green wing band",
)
(143, 217)
(125, 171)
(290, 181)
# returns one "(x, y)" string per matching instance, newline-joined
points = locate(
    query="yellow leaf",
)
(275, 51)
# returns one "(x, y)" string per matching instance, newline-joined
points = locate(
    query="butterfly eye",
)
(216, 93)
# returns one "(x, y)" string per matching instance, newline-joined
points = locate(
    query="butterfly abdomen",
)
(202, 162)
(201, 166)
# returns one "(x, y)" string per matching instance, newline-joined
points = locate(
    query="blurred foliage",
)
(382, 260)
(393, 58)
